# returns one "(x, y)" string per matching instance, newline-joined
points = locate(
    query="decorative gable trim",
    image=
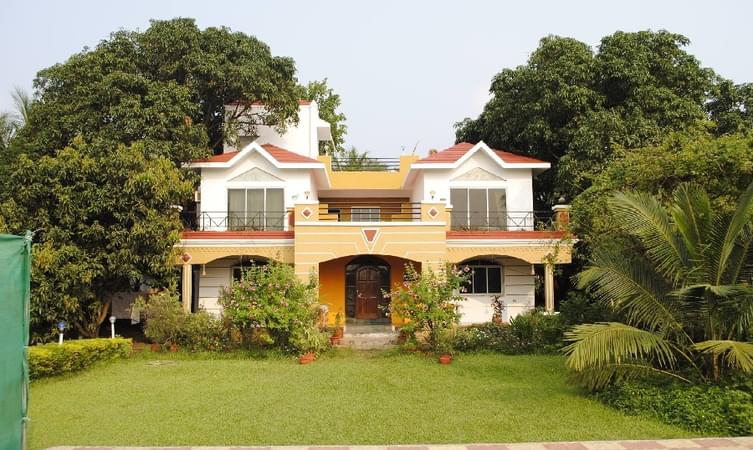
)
(477, 174)
(256, 174)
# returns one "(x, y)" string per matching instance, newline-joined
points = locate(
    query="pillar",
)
(186, 292)
(549, 287)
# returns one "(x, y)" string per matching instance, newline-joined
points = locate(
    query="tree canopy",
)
(574, 106)
(96, 166)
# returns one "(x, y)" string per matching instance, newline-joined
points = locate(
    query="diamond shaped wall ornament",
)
(433, 212)
(370, 236)
(306, 213)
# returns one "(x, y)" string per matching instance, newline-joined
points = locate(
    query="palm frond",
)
(601, 345)
(641, 215)
(632, 287)
(726, 235)
(23, 103)
(691, 213)
(596, 378)
(736, 354)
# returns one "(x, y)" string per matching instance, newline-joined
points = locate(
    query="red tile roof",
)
(286, 156)
(454, 153)
(222, 157)
(280, 154)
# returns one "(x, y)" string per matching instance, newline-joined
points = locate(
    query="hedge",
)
(53, 359)
(705, 408)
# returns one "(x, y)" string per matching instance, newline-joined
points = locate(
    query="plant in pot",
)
(337, 331)
(308, 341)
(444, 345)
(498, 306)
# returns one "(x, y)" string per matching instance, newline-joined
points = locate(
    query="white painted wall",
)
(218, 274)
(518, 295)
(215, 183)
(302, 138)
(517, 182)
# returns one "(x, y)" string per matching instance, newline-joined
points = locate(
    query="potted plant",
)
(338, 331)
(444, 345)
(309, 341)
(164, 320)
(497, 307)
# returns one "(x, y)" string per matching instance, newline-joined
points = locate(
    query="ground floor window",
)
(486, 277)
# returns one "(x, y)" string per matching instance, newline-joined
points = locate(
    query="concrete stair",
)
(369, 337)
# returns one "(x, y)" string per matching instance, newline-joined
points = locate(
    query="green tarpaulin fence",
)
(15, 267)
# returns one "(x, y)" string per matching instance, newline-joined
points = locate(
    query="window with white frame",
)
(485, 278)
(361, 214)
(478, 209)
(255, 209)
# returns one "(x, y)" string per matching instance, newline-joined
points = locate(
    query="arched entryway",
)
(367, 279)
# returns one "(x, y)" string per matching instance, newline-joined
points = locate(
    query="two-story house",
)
(355, 227)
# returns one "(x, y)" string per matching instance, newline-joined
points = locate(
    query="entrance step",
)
(369, 337)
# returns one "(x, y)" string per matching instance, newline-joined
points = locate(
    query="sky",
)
(406, 70)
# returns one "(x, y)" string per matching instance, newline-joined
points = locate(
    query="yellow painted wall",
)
(332, 282)
(367, 179)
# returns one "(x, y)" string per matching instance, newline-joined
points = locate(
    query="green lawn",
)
(347, 399)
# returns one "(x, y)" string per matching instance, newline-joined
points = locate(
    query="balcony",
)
(373, 210)
(502, 221)
(224, 221)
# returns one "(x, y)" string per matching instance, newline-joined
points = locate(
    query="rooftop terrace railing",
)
(481, 220)
(366, 164)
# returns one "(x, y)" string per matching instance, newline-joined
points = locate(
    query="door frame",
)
(351, 284)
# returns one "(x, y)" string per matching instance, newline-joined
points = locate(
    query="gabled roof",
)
(278, 156)
(457, 151)
(286, 156)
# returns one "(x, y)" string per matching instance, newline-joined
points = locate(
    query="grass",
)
(352, 398)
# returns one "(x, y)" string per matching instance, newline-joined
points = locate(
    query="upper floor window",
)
(478, 209)
(255, 209)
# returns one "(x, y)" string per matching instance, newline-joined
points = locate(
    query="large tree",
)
(573, 106)
(97, 167)
(328, 102)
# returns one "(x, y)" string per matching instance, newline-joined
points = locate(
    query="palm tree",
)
(12, 122)
(682, 281)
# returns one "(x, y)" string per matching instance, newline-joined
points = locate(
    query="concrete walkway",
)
(739, 443)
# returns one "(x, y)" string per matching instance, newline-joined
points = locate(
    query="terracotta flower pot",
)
(338, 333)
(155, 347)
(335, 340)
(307, 358)
(173, 348)
(445, 359)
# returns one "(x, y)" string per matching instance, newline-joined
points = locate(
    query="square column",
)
(187, 289)
(549, 287)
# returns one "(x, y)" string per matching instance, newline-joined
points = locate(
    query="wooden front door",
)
(367, 293)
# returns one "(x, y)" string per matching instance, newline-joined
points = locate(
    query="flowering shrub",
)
(271, 300)
(428, 300)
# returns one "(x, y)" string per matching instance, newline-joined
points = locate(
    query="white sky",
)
(406, 70)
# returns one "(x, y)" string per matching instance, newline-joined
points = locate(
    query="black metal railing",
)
(236, 221)
(369, 212)
(366, 164)
(501, 221)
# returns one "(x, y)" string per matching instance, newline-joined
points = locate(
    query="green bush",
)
(203, 332)
(580, 308)
(53, 359)
(531, 332)
(709, 409)
(273, 301)
(164, 317)
(538, 331)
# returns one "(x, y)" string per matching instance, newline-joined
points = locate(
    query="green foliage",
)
(271, 298)
(731, 107)
(107, 222)
(354, 160)
(681, 283)
(53, 359)
(574, 106)
(531, 332)
(428, 301)
(203, 332)
(328, 102)
(722, 166)
(164, 316)
(579, 307)
(708, 409)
